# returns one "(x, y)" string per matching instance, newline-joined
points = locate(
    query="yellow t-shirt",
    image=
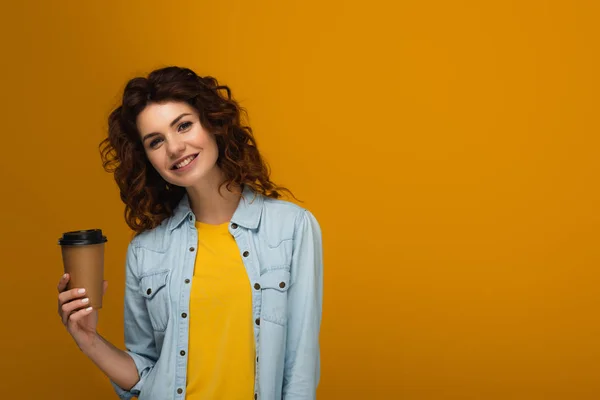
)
(221, 339)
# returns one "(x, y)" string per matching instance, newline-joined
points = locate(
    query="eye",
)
(155, 142)
(184, 126)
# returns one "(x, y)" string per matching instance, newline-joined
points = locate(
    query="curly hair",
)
(148, 198)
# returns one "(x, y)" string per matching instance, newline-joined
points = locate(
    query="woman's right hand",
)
(78, 317)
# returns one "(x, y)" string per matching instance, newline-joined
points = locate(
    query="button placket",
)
(188, 246)
(252, 269)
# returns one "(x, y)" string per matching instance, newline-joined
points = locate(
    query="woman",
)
(223, 280)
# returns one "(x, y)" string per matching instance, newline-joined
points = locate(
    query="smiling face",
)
(176, 144)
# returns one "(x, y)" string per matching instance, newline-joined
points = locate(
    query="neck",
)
(211, 203)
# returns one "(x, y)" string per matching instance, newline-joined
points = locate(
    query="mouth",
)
(183, 164)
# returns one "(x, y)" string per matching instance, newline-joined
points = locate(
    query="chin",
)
(184, 183)
(187, 181)
(190, 178)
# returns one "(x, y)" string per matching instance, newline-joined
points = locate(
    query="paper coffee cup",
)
(83, 260)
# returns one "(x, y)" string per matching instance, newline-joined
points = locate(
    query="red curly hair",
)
(148, 198)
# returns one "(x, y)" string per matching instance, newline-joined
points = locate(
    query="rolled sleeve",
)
(139, 335)
(305, 301)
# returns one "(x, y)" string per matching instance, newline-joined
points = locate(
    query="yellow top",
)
(221, 339)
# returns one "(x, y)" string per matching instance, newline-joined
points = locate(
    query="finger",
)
(69, 295)
(69, 308)
(62, 284)
(104, 287)
(76, 316)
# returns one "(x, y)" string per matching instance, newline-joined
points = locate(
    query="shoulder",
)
(283, 207)
(287, 215)
(155, 239)
(284, 211)
(148, 249)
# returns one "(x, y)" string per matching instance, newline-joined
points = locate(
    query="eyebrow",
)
(176, 120)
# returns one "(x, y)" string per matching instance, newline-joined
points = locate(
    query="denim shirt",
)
(280, 245)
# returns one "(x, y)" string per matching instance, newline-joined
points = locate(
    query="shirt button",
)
(256, 286)
(282, 285)
(246, 254)
(256, 359)
(192, 249)
(182, 353)
(179, 391)
(148, 291)
(183, 315)
(187, 281)
(191, 218)
(255, 396)
(257, 321)
(234, 226)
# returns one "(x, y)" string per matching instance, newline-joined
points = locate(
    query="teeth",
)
(184, 162)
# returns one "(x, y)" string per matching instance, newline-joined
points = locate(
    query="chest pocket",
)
(274, 286)
(154, 289)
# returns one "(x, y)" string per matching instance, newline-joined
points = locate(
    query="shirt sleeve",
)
(305, 301)
(139, 335)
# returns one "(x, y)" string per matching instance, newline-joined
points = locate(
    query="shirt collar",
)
(247, 214)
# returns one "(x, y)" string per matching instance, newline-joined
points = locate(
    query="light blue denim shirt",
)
(280, 245)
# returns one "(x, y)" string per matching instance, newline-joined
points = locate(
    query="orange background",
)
(448, 148)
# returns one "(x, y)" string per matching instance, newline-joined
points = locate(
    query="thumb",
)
(104, 287)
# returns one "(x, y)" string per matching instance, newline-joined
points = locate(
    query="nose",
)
(175, 147)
